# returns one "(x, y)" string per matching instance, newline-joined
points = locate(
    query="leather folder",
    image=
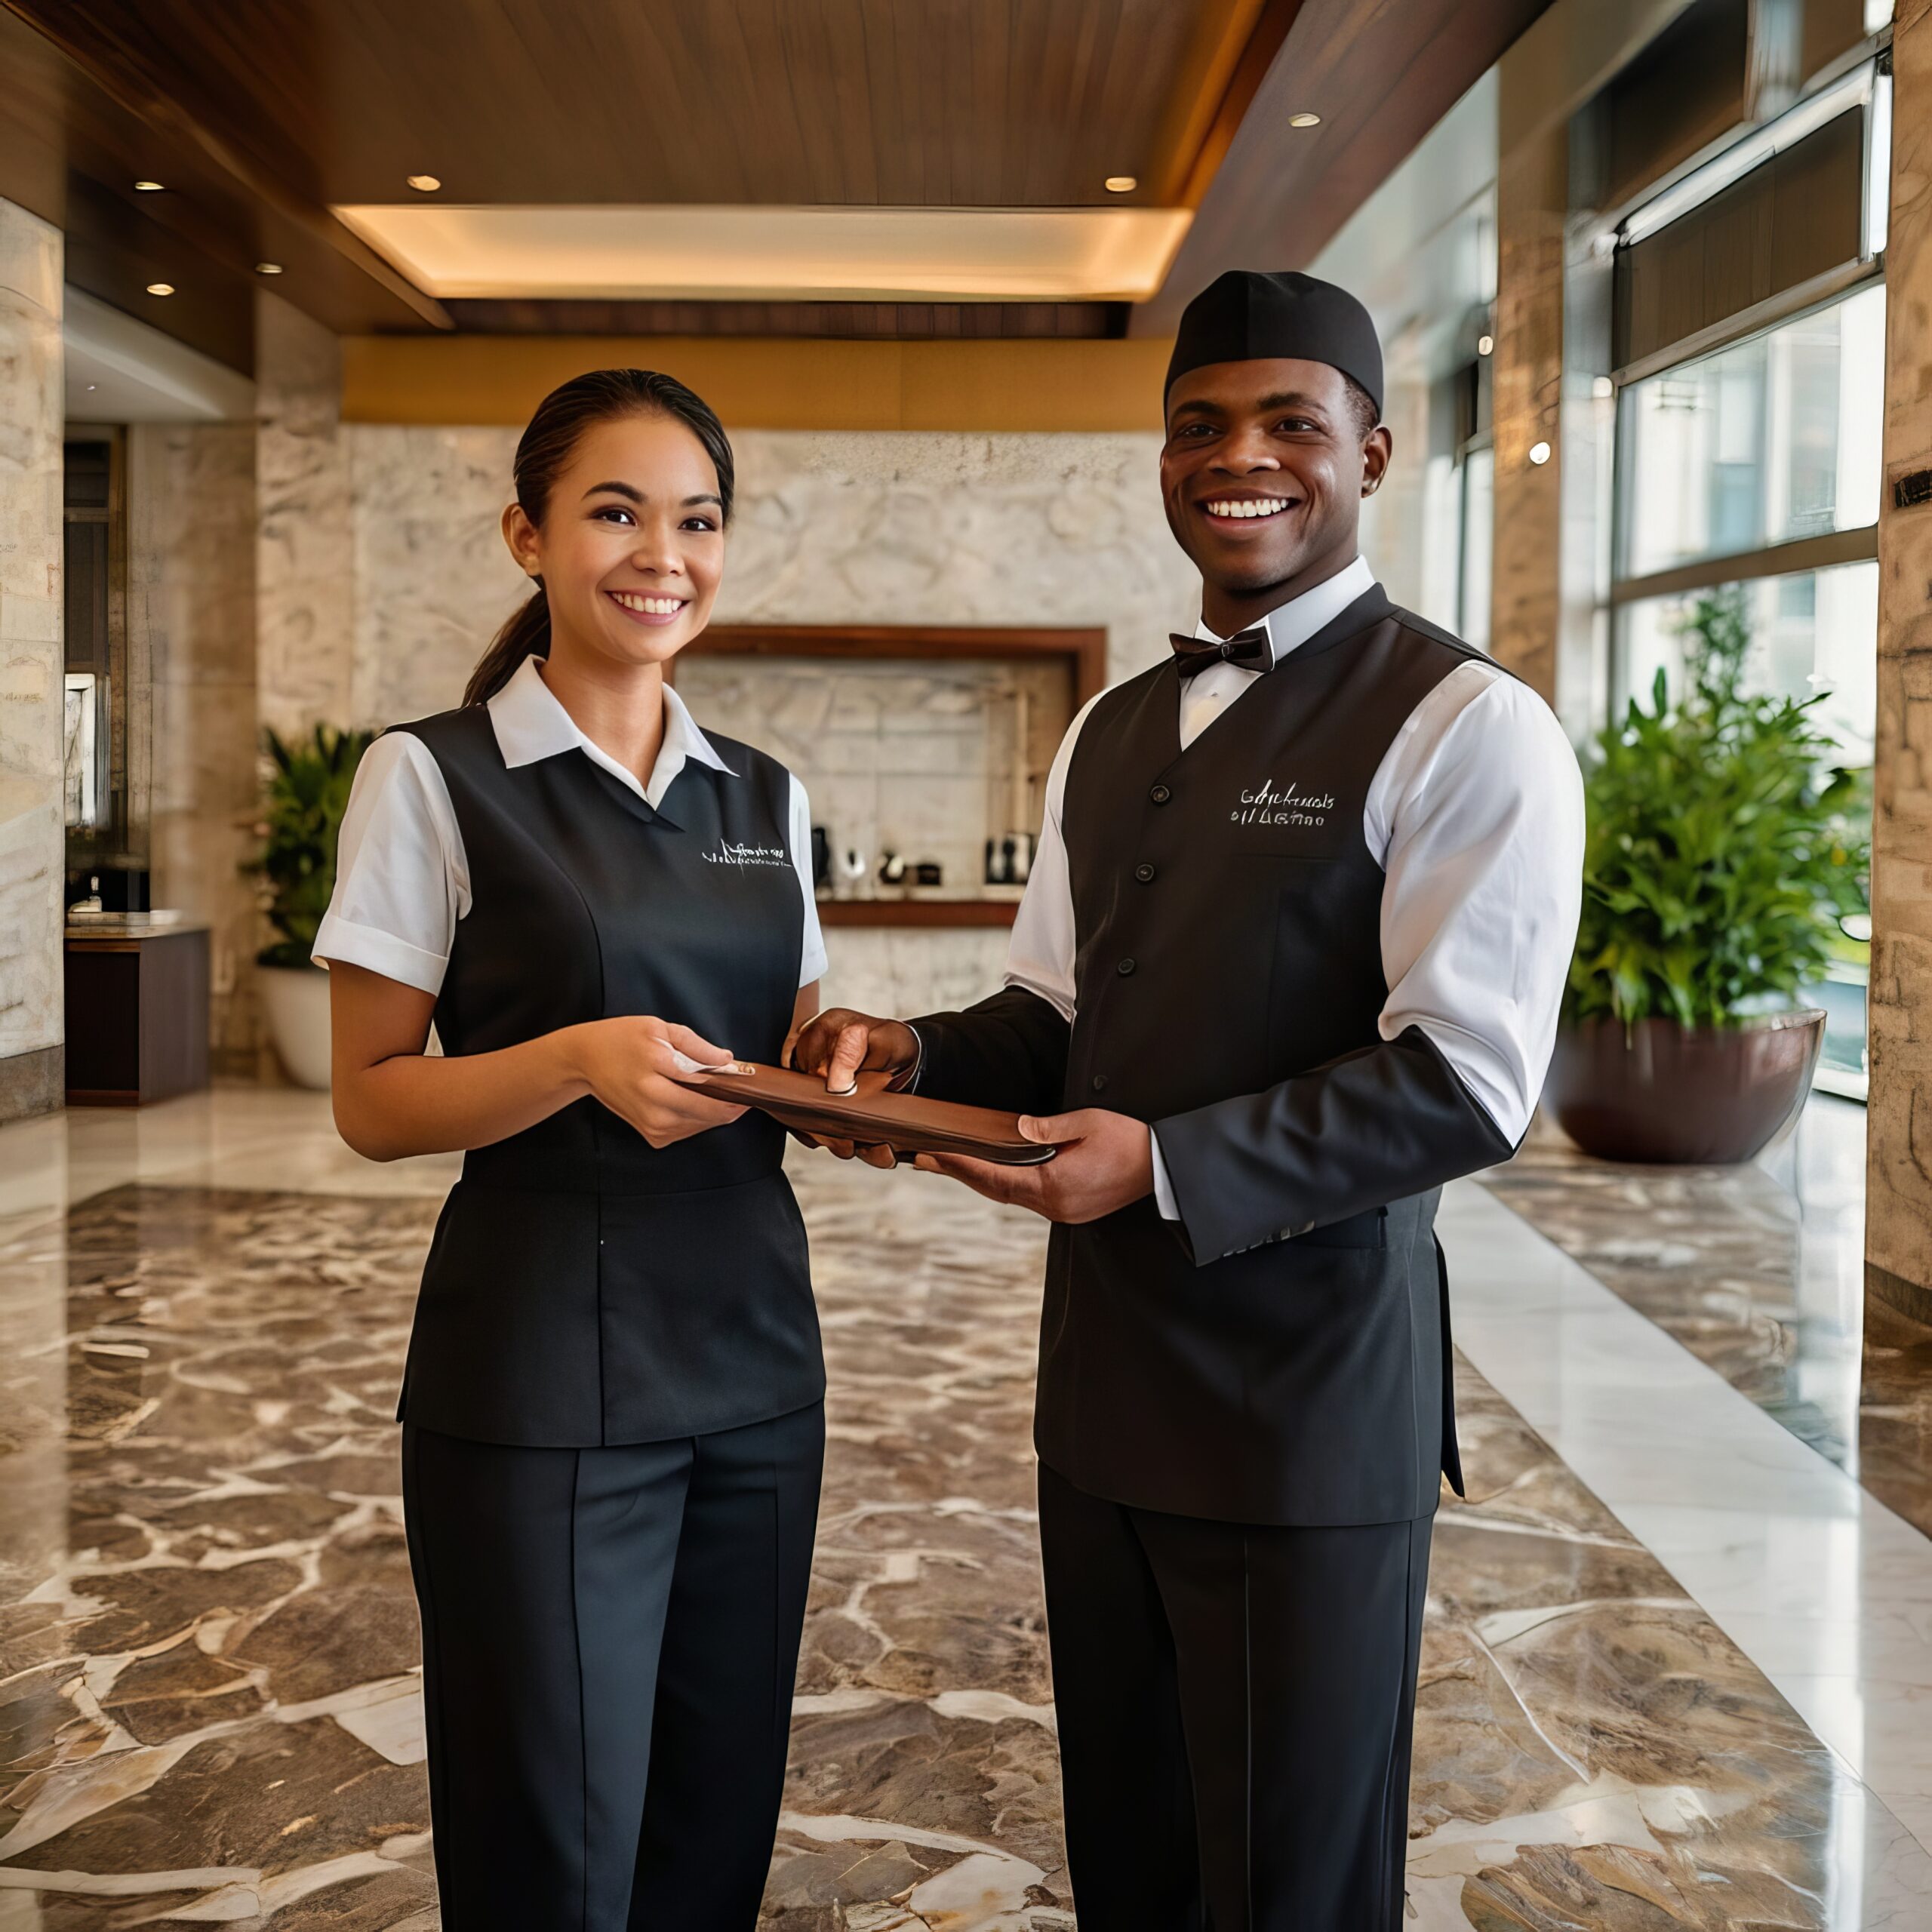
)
(871, 1115)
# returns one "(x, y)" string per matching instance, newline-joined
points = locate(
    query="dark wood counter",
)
(137, 1011)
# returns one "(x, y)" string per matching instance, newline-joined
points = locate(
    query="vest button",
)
(1143, 873)
(1100, 1083)
(1160, 795)
(1125, 967)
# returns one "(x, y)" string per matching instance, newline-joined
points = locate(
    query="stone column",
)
(1898, 1227)
(32, 699)
(1532, 189)
(192, 537)
(304, 547)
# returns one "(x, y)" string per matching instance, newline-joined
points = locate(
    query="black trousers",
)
(609, 1641)
(1234, 1703)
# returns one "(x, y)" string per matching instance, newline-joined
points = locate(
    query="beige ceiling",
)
(744, 252)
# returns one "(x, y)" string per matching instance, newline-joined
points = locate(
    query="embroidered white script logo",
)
(730, 855)
(1270, 804)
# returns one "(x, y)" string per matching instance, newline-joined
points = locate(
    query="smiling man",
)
(1291, 954)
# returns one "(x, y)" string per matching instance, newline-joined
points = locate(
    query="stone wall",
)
(304, 547)
(32, 700)
(191, 617)
(1898, 1239)
(877, 527)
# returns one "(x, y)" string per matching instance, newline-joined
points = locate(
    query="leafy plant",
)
(306, 795)
(1725, 845)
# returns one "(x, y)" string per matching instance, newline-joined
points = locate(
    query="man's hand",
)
(1106, 1161)
(838, 1044)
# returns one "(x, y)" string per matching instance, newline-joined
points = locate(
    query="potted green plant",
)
(1726, 846)
(305, 792)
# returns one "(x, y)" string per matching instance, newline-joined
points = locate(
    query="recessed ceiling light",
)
(1539, 454)
(424, 184)
(148, 187)
(161, 288)
(1304, 120)
(268, 268)
(1122, 184)
(1484, 344)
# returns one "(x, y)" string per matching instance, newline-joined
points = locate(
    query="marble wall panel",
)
(1899, 1201)
(32, 699)
(191, 614)
(305, 545)
(924, 759)
(881, 970)
(859, 528)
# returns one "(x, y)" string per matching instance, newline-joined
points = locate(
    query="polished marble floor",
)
(1758, 1270)
(208, 1704)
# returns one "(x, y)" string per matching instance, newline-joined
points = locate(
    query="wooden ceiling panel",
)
(1380, 73)
(71, 149)
(889, 102)
(854, 321)
(260, 117)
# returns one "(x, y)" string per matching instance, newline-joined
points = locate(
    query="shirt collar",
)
(530, 723)
(1292, 623)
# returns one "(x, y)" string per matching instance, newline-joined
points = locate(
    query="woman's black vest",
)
(584, 1288)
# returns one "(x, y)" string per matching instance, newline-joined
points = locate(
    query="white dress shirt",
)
(1475, 815)
(402, 879)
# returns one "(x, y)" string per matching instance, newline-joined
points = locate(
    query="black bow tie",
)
(1250, 649)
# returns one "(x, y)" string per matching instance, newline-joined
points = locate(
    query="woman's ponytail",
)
(544, 451)
(525, 633)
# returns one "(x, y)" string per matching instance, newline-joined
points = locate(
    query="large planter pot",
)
(296, 1000)
(1658, 1091)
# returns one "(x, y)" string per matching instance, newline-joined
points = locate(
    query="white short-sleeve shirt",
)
(402, 879)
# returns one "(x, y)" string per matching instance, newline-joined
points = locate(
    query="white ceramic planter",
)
(296, 1000)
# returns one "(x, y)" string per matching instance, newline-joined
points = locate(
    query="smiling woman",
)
(661, 426)
(612, 1403)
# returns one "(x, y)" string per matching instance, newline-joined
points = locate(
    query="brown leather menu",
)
(871, 1115)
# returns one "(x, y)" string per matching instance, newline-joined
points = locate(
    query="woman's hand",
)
(630, 1064)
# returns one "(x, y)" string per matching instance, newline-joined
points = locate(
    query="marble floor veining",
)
(208, 1702)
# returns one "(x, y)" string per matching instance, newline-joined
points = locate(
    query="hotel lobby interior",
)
(280, 285)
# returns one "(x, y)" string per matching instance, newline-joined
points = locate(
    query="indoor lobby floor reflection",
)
(1669, 1667)
(1758, 1270)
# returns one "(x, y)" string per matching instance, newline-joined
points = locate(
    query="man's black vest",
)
(1228, 913)
(584, 1288)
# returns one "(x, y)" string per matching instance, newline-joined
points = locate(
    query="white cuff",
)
(1163, 1187)
(338, 938)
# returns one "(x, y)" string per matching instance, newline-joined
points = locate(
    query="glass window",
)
(1768, 442)
(1812, 635)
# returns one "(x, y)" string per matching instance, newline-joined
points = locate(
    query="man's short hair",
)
(1361, 406)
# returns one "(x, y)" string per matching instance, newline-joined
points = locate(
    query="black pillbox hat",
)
(1247, 315)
